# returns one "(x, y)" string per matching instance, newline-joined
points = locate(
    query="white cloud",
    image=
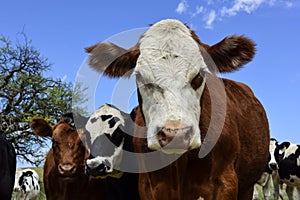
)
(209, 19)
(242, 5)
(210, 11)
(289, 4)
(199, 10)
(182, 7)
(64, 78)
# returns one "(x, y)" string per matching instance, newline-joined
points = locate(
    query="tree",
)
(25, 93)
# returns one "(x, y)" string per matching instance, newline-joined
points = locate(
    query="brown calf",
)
(64, 176)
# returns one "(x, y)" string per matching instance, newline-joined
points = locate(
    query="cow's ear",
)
(41, 127)
(232, 53)
(112, 60)
(283, 146)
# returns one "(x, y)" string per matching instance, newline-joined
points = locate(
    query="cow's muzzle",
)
(273, 166)
(67, 170)
(100, 170)
(175, 138)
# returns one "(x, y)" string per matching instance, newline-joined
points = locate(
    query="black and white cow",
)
(7, 168)
(110, 135)
(27, 185)
(267, 175)
(285, 161)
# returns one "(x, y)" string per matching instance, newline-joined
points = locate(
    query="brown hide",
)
(67, 150)
(230, 170)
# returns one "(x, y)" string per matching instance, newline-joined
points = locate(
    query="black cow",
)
(7, 168)
(109, 132)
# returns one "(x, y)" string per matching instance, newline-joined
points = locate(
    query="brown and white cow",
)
(64, 176)
(217, 126)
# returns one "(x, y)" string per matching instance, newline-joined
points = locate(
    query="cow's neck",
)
(178, 171)
(174, 174)
(71, 185)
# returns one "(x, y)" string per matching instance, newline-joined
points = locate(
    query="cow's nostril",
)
(187, 137)
(163, 138)
(101, 169)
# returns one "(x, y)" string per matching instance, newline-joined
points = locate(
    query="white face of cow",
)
(273, 163)
(169, 60)
(28, 181)
(106, 141)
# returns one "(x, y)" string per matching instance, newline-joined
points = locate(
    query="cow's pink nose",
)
(67, 169)
(175, 138)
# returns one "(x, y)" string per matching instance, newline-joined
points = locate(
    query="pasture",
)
(272, 198)
(39, 170)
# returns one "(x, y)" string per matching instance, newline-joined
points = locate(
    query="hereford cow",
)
(110, 131)
(64, 176)
(286, 163)
(27, 185)
(216, 127)
(7, 168)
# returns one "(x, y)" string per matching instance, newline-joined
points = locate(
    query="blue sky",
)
(62, 29)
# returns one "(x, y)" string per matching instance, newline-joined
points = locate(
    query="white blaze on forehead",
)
(96, 126)
(272, 148)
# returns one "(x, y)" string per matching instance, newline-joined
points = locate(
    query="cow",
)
(27, 186)
(110, 134)
(7, 169)
(265, 180)
(285, 161)
(64, 176)
(215, 127)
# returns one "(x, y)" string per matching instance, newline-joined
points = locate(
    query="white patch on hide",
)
(295, 182)
(298, 161)
(290, 150)
(272, 148)
(99, 126)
